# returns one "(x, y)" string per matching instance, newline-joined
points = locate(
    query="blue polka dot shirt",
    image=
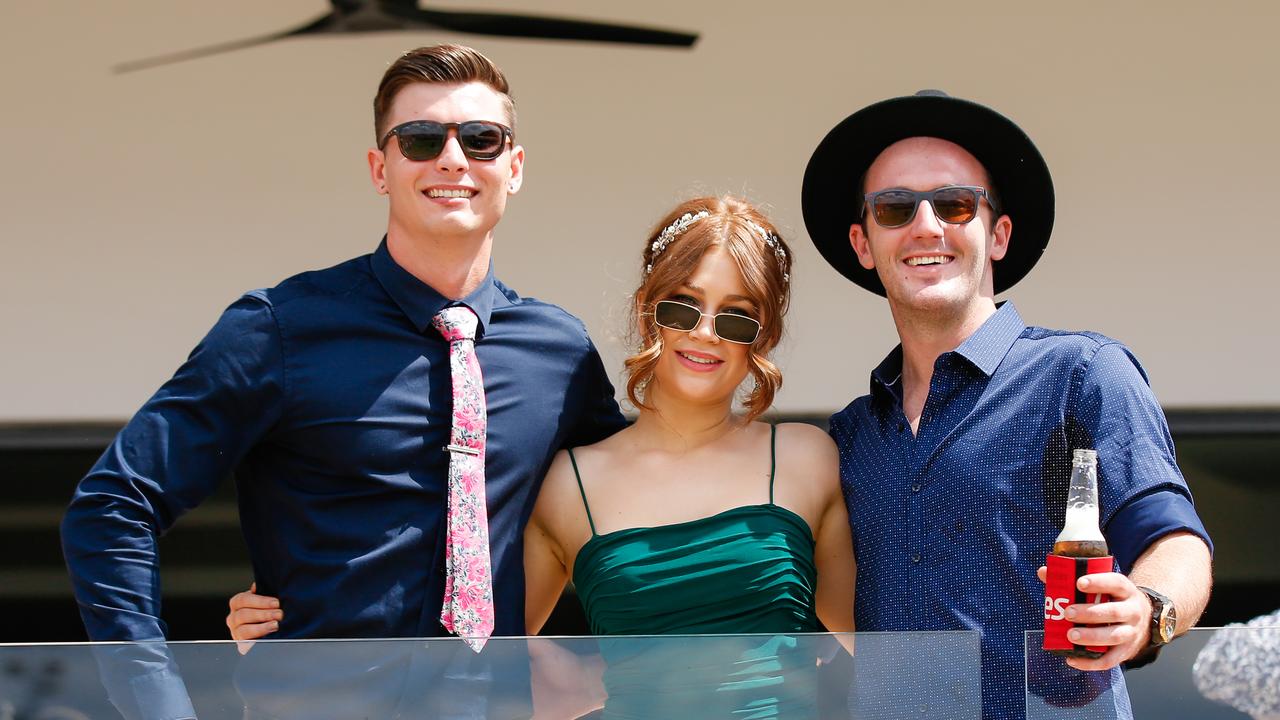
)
(950, 523)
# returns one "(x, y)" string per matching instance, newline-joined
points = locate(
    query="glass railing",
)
(924, 675)
(1206, 674)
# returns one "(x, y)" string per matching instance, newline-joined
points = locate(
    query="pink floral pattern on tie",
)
(468, 588)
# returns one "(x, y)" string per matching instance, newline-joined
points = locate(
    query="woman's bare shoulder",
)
(808, 450)
(805, 438)
(572, 466)
(604, 450)
(559, 510)
(558, 481)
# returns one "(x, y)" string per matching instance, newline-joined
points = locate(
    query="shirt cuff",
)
(1148, 518)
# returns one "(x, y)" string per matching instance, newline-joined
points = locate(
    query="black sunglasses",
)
(730, 327)
(955, 204)
(425, 139)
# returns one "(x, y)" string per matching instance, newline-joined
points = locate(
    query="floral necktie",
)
(468, 586)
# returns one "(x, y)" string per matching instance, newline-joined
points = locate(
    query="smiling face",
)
(450, 196)
(927, 265)
(698, 366)
(716, 255)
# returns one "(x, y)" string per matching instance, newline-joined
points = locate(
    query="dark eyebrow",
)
(736, 298)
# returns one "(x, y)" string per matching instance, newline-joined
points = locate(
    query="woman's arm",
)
(817, 463)
(545, 571)
(544, 577)
(837, 569)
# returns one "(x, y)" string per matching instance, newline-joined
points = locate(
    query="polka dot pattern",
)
(951, 523)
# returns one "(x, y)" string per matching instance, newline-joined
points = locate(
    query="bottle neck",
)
(1081, 523)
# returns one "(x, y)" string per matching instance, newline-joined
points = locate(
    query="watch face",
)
(1164, 617)
(1167, 626)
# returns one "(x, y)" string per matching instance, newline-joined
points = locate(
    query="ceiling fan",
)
(363, 16)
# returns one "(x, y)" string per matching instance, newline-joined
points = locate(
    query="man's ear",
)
(378, 170)
(517, 170)
(861, 246)
(1000, 234)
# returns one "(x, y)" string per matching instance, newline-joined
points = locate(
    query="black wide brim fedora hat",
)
(832, 201)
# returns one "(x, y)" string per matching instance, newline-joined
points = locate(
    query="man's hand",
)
(1124, 622)
(252, 616)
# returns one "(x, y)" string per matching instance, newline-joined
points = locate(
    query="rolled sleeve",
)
(1148, 518)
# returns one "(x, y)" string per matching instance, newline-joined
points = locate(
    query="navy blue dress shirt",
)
(950, 523)
(329, 397)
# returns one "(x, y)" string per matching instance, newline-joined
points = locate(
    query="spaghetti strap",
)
(592, 523)
(773, 458)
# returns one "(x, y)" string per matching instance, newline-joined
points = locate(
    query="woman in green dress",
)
(697, 519)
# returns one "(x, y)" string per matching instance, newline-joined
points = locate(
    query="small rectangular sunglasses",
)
(729, 327)
(425, 139)
(955, 204)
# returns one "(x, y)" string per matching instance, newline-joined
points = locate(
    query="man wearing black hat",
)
(955, 466)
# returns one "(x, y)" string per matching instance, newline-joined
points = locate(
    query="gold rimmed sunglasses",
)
(730, 327)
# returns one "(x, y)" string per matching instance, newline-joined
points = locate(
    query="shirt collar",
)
(985, 348)
(419, 301)
(887, 376)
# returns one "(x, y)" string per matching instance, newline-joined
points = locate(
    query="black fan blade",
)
(532, 26)
(322, 24)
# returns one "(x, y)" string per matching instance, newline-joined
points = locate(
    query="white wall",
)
(135, 207)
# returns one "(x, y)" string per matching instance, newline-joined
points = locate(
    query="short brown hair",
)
(450, 64)
(765, 274)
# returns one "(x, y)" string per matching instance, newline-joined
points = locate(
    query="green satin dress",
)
(749, 569)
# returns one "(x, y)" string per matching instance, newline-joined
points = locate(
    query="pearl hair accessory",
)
(670, 233)
(774, 242)
(682, 223)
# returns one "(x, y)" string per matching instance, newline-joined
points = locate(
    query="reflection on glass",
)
(1167, 688)
(805, 676)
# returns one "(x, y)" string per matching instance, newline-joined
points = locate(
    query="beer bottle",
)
(1079, 550)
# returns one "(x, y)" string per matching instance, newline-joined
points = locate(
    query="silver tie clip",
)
(462, 449)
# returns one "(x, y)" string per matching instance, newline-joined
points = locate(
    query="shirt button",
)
(915, 558)
(902, 427)
(915, 487)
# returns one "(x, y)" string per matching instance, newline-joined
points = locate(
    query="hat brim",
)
(831, 201)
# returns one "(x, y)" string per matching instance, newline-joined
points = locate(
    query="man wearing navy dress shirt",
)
(955, 466)
(329, 398)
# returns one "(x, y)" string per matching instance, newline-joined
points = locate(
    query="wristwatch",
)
(1164, 618)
